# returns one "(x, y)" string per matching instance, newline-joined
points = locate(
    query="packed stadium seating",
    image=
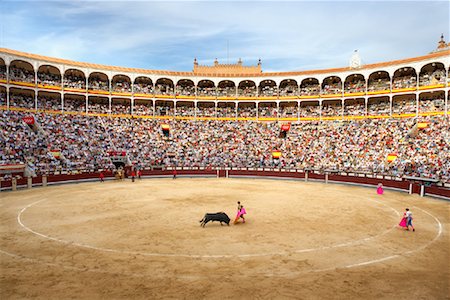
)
(353, 146)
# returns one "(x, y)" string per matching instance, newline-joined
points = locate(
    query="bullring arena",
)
(90, 208)
(301, 240)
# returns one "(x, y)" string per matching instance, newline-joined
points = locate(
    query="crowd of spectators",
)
(403, 82)
(3, 72)
(404, 106)
(187, 90)
(49, 103)
(376, 108)
(203, 111)
(355, 109)
(21, 75)
(332, 109)
(227, 91)
(121, 108)
(355, 86)
(74, 105)
(3, 101)
(288, 90)
(332, 88)
(98, 84)
(310, 90)
(268, 91)
(206, 91)
(247, 91)
(164, 89)
(143, 109)
(143, 88)
(431, 104)
(379, 85)
(22, 101)
(267, 111)
(310, 111)
(432, 78)
(121, 87)
(286, 111)
(74, 81)
(354, 146)
(49, 79)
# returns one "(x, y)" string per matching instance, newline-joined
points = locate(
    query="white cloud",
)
(168, 35)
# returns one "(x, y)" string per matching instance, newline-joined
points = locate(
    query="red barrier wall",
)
(403, 184)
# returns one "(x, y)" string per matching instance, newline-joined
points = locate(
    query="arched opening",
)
(49, 101)
(121, 106)
(21, 71)
(48, 76)
(74, 79)
(2, 69)
(267, 110)
(226, 110)
(310, 87)
(288, 109)
(206, 88)
(143, 85)
(378, 106)
(246, 110)
(226, 88)
(164, 86)
(355, 83)
(164, 108)
(98, 105)
(98, 82)
(379, 81)
(185, 87)
(3, 101)
(404, 104)
(74, 103)
(121, 84)
(268, 88)
(206, 109)
(288, 87)
(143, 107)
(432, 74)
(185, 108)
(310, 109)
(331, 108)
(21, 98)
(354, 107)
(404, 78)
(432, 101)
(247, 88)
(332, 85)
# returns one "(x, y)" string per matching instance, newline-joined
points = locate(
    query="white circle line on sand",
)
(291, 274)
(204, 256)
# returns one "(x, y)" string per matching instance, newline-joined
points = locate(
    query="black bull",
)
(220, 216)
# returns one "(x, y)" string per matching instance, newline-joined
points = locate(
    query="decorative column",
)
(257, 110)
(35, 99)
(390, 105)
(7, 96)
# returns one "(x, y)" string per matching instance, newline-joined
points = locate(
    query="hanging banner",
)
(391, 157)
(276, 154)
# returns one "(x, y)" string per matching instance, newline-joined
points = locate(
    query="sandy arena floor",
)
(118, 240)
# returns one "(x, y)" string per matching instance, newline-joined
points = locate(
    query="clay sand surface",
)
(123, 240)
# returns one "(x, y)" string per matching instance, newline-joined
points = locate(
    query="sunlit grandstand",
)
(228, 116)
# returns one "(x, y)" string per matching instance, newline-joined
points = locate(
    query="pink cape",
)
(241, 212)
(380, 190)
(402, 222)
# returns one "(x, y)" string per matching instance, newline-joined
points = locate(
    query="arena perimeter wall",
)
(350, 178)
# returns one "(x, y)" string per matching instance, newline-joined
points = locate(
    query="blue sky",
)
(287, 36)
